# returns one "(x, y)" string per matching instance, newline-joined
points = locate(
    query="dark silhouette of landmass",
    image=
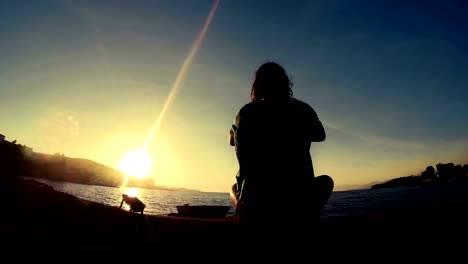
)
(443, 173)
(58, 167)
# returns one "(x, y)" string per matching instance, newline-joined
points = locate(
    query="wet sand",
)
(43, 224)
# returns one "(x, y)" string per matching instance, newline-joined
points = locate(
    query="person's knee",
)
(234, 188)
(325, 180)
(233, 194)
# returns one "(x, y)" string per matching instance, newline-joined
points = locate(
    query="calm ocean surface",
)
(341, 203)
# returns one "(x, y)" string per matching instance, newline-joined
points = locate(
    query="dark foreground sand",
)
(38, 223)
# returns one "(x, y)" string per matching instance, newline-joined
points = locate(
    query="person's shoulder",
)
(303, 107)
(248, 107)
(245, 111)
(301, 104)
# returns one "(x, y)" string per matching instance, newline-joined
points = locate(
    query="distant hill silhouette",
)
(442, 174)
(57, 167)
(21, 160)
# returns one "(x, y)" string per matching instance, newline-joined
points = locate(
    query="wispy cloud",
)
(373, 139)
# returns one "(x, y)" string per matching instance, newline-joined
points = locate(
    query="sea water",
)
(341, 203)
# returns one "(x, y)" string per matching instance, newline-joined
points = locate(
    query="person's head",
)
(271, 84)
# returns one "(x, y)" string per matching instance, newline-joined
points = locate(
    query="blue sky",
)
(88, 79)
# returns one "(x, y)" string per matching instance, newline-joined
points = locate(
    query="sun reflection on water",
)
(133, 192)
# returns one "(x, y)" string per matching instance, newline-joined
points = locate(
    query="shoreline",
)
(39, 219)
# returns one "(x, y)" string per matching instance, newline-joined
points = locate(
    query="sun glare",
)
(132, 192)
(136, 163)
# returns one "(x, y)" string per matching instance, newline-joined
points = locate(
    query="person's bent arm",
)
(318, 131)
(231, 136)
(233, 131)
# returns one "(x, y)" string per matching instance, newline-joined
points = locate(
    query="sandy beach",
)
(39, 222)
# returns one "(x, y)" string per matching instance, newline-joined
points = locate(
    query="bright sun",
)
(136, 163)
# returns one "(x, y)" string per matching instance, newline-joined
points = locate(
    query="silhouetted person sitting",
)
(276, 191)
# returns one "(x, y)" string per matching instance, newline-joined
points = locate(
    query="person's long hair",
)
(271, 84)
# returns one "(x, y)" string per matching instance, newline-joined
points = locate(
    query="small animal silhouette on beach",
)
(135, 204)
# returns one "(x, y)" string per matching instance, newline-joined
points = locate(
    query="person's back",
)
(273, 142)
(272, 135)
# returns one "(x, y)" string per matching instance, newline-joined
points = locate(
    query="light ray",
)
(176, 85)
(180, 75)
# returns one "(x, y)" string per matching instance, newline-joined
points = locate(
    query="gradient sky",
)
(388, 79)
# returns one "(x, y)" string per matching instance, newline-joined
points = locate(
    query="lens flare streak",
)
(176, 85)
(180, 75)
